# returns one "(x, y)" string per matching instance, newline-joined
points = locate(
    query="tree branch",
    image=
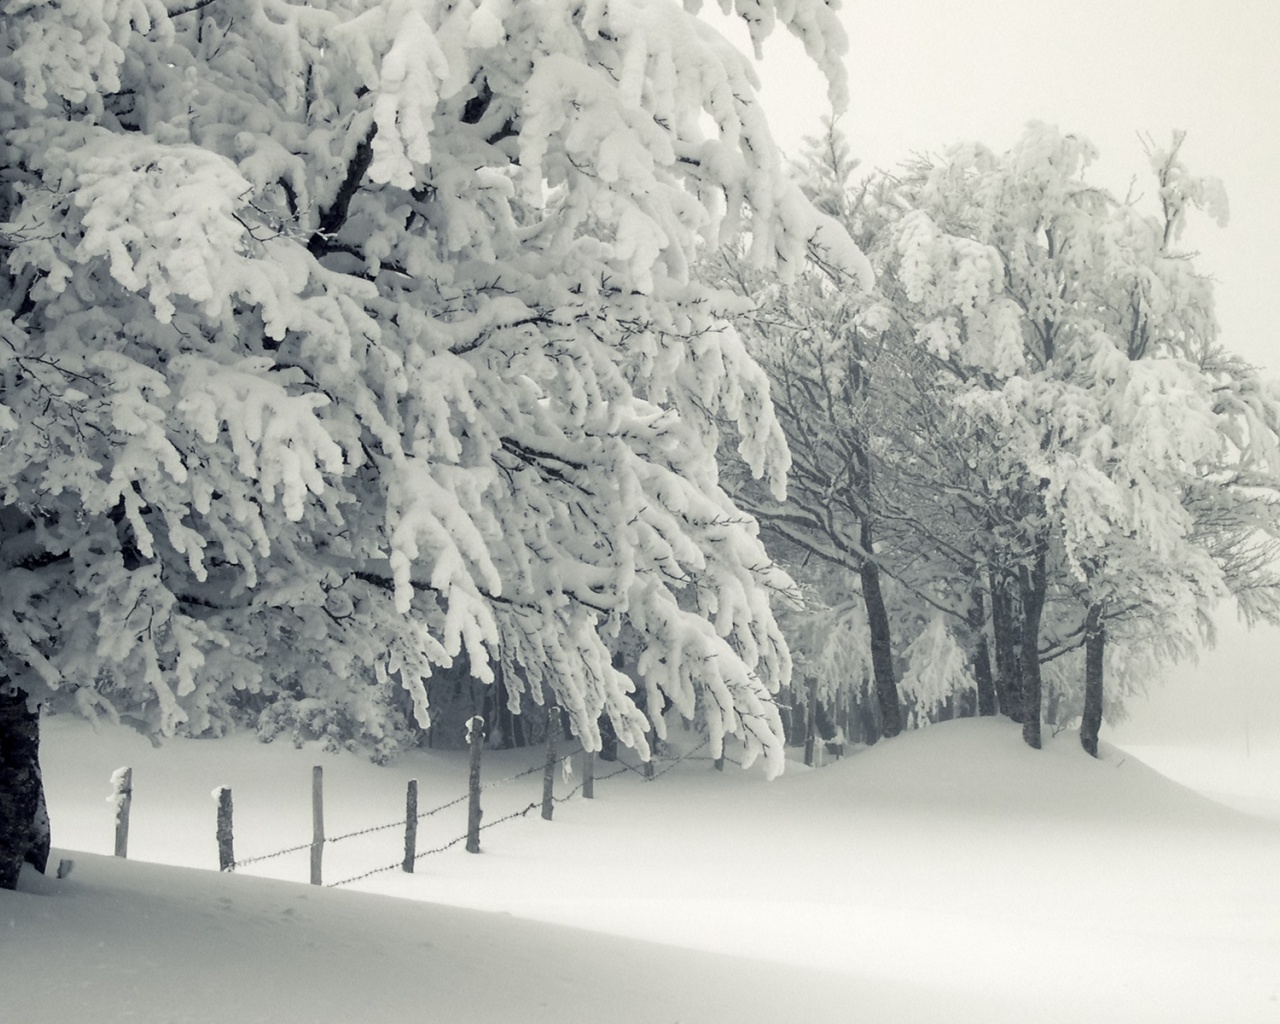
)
(200, 5)
(332, 219)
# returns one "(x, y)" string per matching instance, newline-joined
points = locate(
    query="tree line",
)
(1024, 466)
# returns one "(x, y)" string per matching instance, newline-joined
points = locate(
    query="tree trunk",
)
(881, 642)
(24, 823)
(608, 740)
(868, 732)
(1005, 628)
(810, 719)
(1095, 642)
(981, 655)
(510, 724)
(1032, 584)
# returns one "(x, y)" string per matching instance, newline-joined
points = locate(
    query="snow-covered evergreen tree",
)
(341, 339)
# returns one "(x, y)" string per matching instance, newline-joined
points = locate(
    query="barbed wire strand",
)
(625, 767)
(269, 856)
(399, 822)
(496, 821)
(439, 849)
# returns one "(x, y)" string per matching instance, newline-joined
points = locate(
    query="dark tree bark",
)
(1032, 585)
(981, 655)
(868, 731)
(496, 708)
(810, 718)
(789, 714)
(332, 219)
(1007, 633)
(987, 704)
(608, 735)
(24, 823)
(608, 740)
(886, 685)
(1095, 643)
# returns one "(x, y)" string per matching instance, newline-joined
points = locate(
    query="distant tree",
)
(341, 340)
(822, 341)
(1030, 415)
(1079, 336)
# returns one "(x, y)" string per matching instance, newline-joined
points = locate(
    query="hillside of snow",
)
(948, 875)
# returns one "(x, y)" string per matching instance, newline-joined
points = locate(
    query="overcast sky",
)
(926, 73)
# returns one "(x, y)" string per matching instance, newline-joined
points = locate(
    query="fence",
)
(122, 783)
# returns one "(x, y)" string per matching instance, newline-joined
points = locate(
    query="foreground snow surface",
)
(948, 875)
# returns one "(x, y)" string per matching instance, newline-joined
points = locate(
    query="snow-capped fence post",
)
(122, 797)
(810, 719)
(588, 775)
(549, 771)
(226, 852)
(719, 761)
(475, 737)
(410, 825)
(317, 822)
(651, 738)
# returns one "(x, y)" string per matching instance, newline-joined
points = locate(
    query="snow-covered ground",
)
(949, 875)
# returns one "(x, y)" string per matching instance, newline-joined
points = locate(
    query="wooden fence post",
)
(317, 822)
(226, 852)
(719, 761)
(475, 737)
(588, 775)
(410, 825)
(651, 737)
(810, 719)
(122, 797)
(549, 772)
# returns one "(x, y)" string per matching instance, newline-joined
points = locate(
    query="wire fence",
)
(533, 805)
(409, 821)
(399, 823)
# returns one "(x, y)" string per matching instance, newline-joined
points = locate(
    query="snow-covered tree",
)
(1032, 412)
(937, 669)
(823, 342)
(342, 339)
(1082, 342)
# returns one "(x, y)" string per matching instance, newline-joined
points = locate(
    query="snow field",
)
(949, 875)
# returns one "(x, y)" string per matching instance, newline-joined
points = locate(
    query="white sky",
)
(926, 73)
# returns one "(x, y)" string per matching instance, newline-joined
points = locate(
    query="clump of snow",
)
(119, 788)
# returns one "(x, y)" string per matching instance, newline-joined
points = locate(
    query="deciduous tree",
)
(341, 339)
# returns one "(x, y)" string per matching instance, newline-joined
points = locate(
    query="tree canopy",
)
(1030, 425)
(341, 340)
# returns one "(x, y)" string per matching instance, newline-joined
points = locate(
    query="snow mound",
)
(124, 941)
(981, 767)
(945, 876)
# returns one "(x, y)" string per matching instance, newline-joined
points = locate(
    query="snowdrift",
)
(122, 941)
(981, 767)
(947, 875)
